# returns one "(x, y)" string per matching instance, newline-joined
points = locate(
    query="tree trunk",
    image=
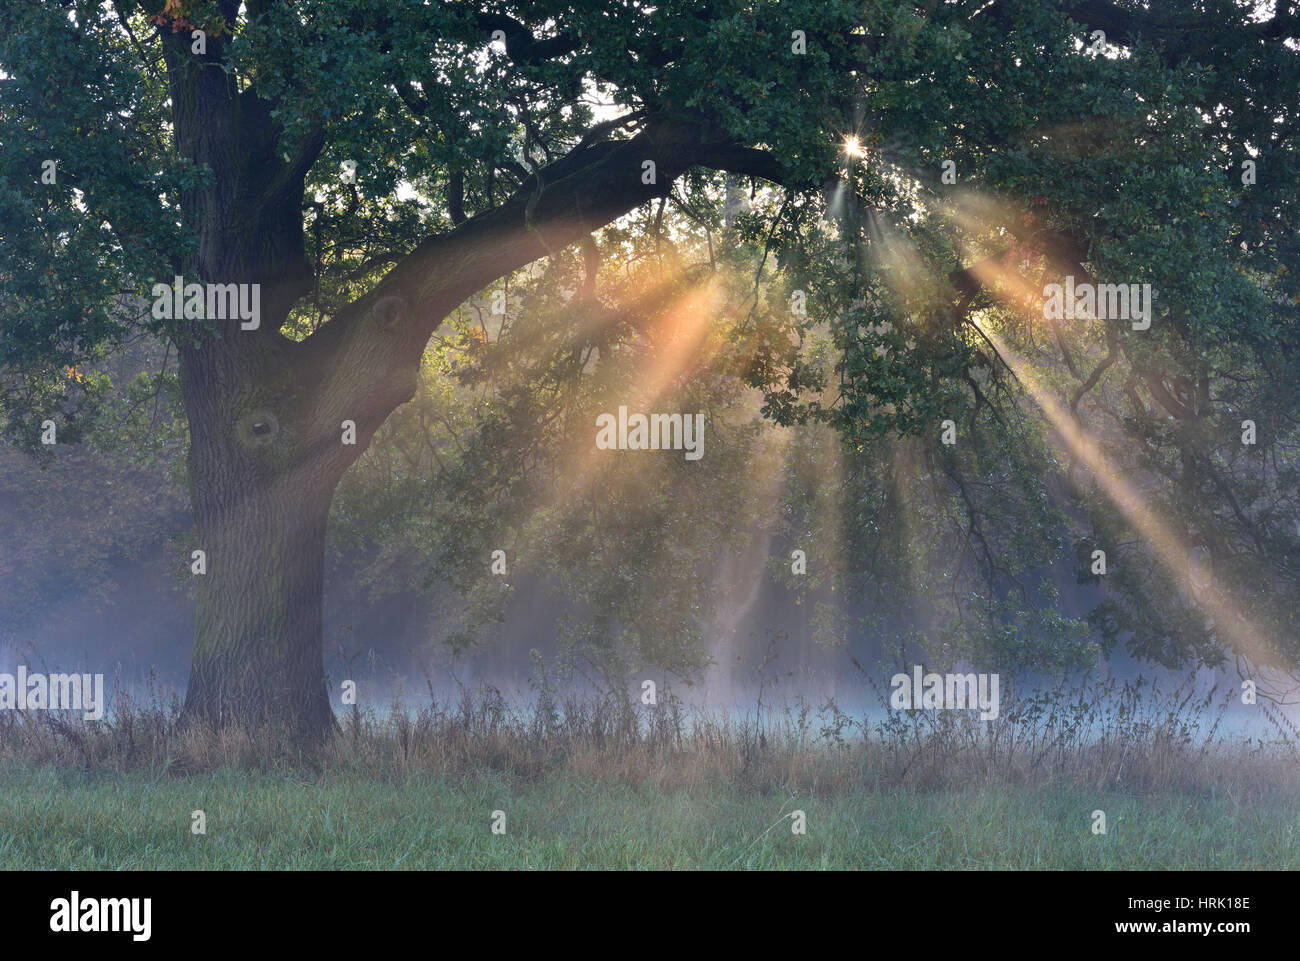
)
(263, 460)
(257, 640)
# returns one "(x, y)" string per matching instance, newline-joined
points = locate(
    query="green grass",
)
(59, 818)
(605, 785)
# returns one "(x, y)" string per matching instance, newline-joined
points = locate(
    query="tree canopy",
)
(826, 216)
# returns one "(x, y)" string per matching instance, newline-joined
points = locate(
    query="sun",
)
(853, 147)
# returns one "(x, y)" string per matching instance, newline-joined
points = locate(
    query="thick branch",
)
(363, 362)
(521, 46)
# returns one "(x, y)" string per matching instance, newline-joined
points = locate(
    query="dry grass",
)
(1131, 737)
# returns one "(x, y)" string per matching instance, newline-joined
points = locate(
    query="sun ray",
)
(1169, 549)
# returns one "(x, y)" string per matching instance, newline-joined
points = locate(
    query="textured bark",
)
(263, 466)
(257, 641)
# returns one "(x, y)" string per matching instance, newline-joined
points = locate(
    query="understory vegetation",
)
(598, 782)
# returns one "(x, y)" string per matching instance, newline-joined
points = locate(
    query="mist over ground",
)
(136, 624)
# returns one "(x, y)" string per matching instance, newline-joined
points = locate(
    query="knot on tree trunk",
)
(257, 429)
(389, 312)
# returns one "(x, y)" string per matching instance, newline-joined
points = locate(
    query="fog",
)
(137, 630)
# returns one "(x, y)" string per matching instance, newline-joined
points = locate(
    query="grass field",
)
(123, 821)
(602, 785)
